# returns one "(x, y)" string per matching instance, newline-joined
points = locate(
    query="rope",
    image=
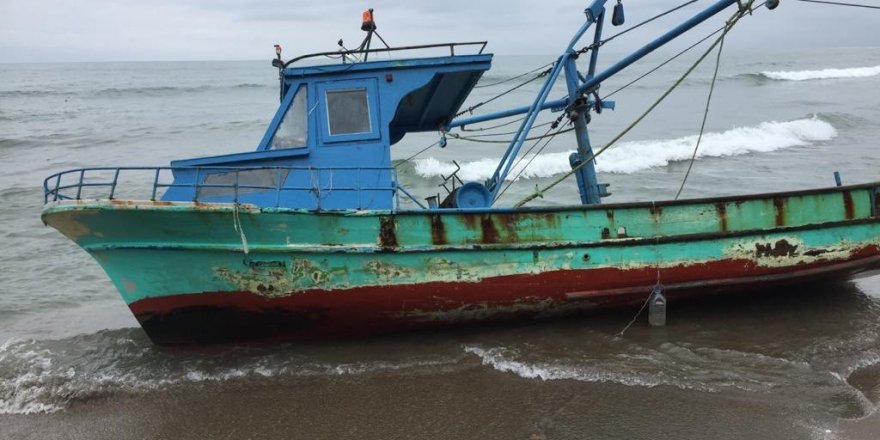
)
(490, 141)
(522, 84)
(659, 66)
(515, 77)
(705, 116)
(644, 304)
(414, 155)
(730, 23)
(462, 128)
(236, 223)
(600, 43)
(532, 159)
(841, 4)
(473, 136)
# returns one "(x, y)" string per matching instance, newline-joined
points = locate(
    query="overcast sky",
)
(142, 30)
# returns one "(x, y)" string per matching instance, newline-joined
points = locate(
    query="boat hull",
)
(190, 277)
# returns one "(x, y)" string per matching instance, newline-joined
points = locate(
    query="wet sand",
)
(475, 403)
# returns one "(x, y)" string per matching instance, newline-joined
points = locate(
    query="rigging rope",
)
(515, 77)
(705, 116)
(414, 155)
(524, 168)
(473, 136)
(659, 66)
(480, 104)
(492, 141)
(602, 42)
(730, 23)
(581, 51)
(462, 128)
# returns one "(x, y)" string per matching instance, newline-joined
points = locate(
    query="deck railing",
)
(344, 54)
(107, 182)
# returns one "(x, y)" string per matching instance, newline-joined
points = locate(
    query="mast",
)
(576, 102)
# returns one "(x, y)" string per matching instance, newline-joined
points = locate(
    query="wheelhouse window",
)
(348, 111)
(294, 128)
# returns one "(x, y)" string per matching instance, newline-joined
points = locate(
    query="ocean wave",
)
(159, 90)
(630, 157)
(33, 93)
(805, 75)
(47, 376)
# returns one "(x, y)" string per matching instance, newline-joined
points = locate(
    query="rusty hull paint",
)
(379, 271)
(196, 318)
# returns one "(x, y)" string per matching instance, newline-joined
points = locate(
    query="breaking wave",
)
(630, 157)
(805, 75)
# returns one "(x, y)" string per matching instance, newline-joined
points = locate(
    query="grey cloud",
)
(82, 30)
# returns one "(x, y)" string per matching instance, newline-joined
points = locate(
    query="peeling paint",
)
(444, 268)
(387, 271)
(272, 283)
(788, 251)
(272, 279)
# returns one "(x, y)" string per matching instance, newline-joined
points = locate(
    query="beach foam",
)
(38, 376)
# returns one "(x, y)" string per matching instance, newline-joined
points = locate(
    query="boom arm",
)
(593, 81)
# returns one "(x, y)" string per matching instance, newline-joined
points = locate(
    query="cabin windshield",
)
(293, 130)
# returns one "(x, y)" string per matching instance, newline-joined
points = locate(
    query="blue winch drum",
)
(473, 195)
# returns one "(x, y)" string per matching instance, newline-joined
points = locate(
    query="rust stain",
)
(606, 233)
(438, 230)
(782, 248)
(469, 220)
(610, 214)
(779, 207)
(490, 233)
(721, 210)
(656, 211)
(509, 223)
(848, 205)
(387, 233)
(551, 219)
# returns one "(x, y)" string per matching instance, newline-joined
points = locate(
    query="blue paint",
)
(588, 185)
(343, 158)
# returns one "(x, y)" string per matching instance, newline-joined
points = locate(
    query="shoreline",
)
(472, 402)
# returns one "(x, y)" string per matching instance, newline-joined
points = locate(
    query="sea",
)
(800, 363)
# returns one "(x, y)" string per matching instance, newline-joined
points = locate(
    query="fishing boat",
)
(307, 236)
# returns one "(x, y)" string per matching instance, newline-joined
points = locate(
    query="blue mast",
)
(576, 103)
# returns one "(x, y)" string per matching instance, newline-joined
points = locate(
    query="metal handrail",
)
(55, 189)
(451, 47)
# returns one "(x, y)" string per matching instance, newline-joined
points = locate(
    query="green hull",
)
(188, 274)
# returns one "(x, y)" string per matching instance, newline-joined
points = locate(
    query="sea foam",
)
(805, 75)
(37, 376)
(630, 157)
